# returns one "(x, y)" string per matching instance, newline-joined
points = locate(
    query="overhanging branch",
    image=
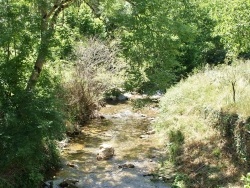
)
(64, 4)
(55, 8)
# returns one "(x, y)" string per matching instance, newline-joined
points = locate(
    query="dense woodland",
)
(58, 59)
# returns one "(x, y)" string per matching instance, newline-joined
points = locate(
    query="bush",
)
(96, 71)
(30, 122)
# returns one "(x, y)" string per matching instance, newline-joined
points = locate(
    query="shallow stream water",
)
(127, 132)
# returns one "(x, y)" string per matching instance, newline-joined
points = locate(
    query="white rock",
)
(106, 152)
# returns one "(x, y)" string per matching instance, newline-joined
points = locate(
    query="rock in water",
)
(124, 166)
(69, 183)
(47, 184)
(122, 97)
(71, 165)
(106, 152)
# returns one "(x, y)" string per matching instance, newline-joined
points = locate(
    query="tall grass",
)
(203, 107)
(211, 88)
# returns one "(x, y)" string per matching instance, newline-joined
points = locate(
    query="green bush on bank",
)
(30, 122)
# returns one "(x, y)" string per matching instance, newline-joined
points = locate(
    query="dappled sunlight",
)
(210, 109)
(132, 145)
(209, 163)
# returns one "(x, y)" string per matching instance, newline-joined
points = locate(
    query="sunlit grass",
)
(211, 88)
(189, 107)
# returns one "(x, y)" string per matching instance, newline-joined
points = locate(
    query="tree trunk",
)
(36, 72)
(46, 35)
(49, 18)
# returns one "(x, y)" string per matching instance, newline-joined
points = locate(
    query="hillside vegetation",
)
(206, 119)
(60, 58)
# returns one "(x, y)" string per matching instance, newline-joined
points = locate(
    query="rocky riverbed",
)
(137, 152)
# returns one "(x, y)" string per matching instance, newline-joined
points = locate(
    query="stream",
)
(134, 143)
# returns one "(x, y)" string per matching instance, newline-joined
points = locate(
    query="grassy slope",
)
(203, 109)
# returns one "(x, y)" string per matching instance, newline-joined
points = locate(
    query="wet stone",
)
(71, 165)
(124, 166)
(106, 152)
(144, 136)
(69, 183)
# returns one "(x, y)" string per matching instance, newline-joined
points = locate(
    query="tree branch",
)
(55, 7)
(47, 33)
(64, 4)
(47, 16)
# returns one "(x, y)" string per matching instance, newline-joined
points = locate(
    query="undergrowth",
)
(30, 123)
(211, 111)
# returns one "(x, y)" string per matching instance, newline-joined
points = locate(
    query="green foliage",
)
(246, 180)
(140, 103)
(83, 22)
(28, 127)
(160, 40)
(112, 93)
(31, 121)
(29, 124)
(176, 141)
(234, 130)
(206, 46)
(216, 152)
(154, 35)
(232, 24)
(180, 181)
(163, 40)
(176, 137)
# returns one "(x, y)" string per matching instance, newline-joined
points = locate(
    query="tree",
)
(49, 13)
(31, 111)
(232, 25)
(31, 119)
(161, 39)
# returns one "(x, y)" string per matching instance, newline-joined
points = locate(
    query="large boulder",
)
(105, 152)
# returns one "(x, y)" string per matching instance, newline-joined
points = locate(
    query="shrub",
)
(96, 71)
(30, 123)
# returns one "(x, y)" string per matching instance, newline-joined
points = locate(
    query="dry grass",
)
(208, 158)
